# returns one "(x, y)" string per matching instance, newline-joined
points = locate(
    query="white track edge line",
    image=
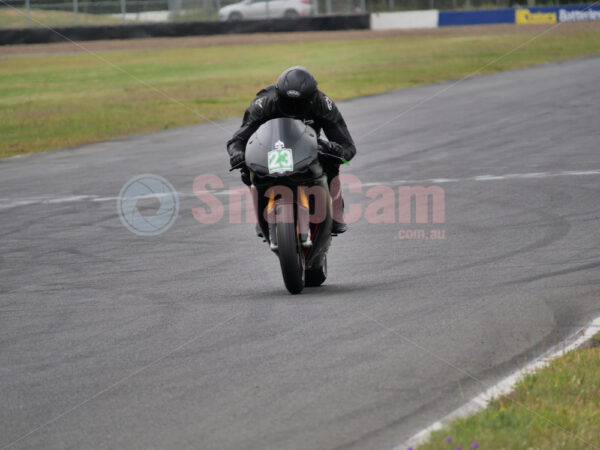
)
(506, 385)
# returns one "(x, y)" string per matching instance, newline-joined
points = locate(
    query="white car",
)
(261, 9)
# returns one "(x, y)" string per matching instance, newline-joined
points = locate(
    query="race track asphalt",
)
(188, 339)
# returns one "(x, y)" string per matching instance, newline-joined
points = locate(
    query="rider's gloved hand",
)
(236, 157)
(246, 177)
(332, 148)
(323, 145)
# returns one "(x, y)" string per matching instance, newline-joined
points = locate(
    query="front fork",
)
(275, 215)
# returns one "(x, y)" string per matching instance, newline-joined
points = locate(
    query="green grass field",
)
(557, 407)
(59, 100)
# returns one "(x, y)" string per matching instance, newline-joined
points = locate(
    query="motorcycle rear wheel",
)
(316, 277)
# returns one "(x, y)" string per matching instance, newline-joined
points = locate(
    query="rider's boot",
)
(259, 232)
(338, 227)
(335, 189)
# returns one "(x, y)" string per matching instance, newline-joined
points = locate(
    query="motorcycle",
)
(291, 190)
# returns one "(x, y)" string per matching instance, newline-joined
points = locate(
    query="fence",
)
(36, 13)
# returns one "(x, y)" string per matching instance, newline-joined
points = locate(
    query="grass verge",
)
(557, 407)
(17, 18)
(59, 100)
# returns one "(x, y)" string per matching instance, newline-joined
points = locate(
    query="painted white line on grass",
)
(506, 385)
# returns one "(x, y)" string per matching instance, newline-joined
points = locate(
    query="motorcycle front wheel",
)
(291, 257)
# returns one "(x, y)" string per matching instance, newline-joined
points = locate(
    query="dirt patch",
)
(271, 38)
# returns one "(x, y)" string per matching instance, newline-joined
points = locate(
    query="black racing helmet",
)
(296, 91)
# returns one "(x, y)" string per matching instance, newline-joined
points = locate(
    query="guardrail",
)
(43, 35)
(377, 21)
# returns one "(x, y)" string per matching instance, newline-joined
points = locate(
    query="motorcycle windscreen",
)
(281, 147)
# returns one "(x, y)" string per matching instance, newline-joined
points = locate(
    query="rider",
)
(296, 95)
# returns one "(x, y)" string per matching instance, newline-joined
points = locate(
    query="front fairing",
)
(297, 140)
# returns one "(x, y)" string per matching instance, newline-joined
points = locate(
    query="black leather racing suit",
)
(323, 115)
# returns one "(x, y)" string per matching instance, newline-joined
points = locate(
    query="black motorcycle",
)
(292, 201)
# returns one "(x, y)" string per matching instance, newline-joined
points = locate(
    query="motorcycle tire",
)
(291, 258)
(316, 277)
